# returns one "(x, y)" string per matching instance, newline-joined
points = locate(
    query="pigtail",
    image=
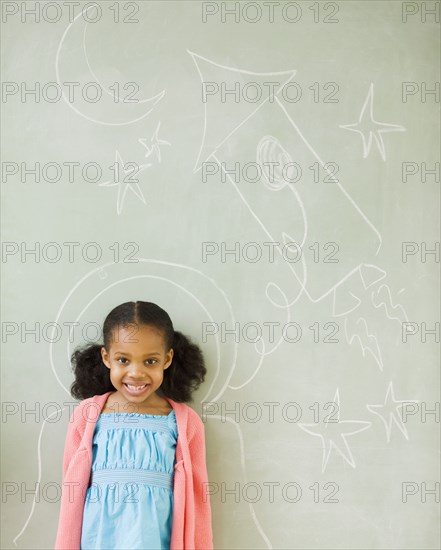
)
(187, 370)
(92, 377)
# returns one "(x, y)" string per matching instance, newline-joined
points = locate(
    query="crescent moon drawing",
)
(107, 102)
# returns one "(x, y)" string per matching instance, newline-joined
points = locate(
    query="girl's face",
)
(137, 360)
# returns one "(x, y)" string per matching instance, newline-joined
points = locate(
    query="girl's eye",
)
(124, 359)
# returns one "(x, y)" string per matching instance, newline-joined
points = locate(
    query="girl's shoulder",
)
(184, 407)
(87, 409)
(193, 414)
(194, 421)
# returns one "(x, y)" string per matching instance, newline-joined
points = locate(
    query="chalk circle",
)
(188, 295)
(269, 150)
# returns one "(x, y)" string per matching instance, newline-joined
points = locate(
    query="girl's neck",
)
(117, 403)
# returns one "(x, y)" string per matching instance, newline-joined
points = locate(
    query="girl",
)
(134, 470)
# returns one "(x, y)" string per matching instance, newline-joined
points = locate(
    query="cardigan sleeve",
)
(69, 521)
(202, 509)
(72, 441)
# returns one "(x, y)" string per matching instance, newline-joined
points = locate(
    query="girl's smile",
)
(136, 389)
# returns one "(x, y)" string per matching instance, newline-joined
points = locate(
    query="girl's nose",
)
(137, 371)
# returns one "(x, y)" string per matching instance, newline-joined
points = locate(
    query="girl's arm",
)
(72, 442)
(203, 529)
(67, 532)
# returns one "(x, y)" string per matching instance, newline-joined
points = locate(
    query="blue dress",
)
(129, 504)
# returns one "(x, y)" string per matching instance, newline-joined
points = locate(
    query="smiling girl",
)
(134, 449)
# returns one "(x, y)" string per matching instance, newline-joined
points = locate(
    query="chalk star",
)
(390, 413)
(126, 182)
(371, 128)
(334, 434)
(155, 141)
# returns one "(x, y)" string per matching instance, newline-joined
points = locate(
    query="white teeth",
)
(134, 388)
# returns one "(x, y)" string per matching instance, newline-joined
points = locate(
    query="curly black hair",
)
(185, 374)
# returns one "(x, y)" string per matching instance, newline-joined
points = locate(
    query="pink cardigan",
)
(191, 526)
